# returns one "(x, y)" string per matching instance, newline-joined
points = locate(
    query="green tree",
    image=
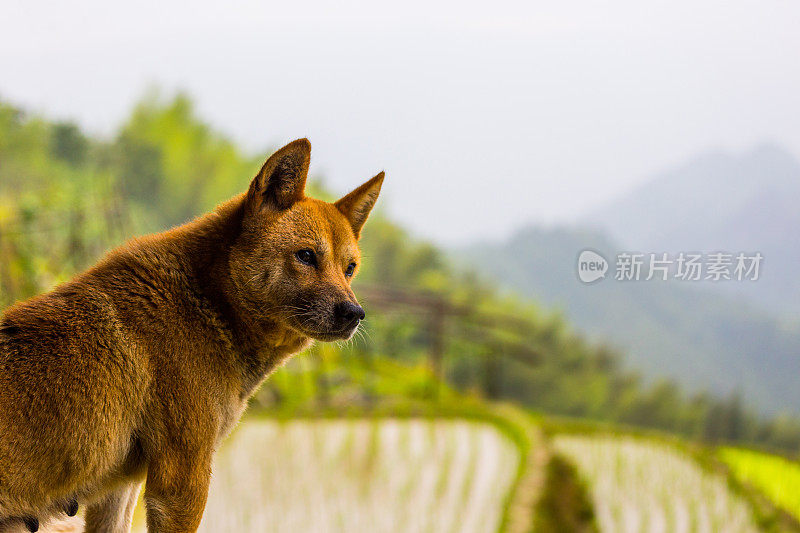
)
(69, 144)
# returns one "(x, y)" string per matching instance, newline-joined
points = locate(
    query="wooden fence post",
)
(437, 318)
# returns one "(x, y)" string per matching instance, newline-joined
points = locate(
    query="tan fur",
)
(136, 369)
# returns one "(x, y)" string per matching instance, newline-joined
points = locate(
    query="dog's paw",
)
(31, 523)
(70, 507)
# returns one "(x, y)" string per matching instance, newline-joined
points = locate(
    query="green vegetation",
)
(706, 339)
(565, 504)
(776, 477)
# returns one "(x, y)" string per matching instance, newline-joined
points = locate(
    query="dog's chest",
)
(259, 363)
(231, 413)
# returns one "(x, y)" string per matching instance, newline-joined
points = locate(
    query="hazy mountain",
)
(721, 202)
(704, 339)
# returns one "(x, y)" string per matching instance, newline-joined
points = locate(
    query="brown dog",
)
(136, 369)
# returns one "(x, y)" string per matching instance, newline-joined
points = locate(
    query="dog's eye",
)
(350, 269)
(307, 257)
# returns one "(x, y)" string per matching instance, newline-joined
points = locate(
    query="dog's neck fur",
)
(262, 345)
(202, 248)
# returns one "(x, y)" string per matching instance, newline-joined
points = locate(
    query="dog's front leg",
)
(176, 490)
(114, 512)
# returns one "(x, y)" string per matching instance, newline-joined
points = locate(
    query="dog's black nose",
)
(349, 312)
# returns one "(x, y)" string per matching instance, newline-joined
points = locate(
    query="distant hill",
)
(704, 339)
(721, 201)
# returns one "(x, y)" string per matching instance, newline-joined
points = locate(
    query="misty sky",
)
(485, 115)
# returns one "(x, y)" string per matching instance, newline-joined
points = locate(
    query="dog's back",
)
(90, 371)
(62, 421)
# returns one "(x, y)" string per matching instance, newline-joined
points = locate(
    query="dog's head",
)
(296, 256)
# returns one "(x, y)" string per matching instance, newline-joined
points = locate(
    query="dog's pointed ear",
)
(357, 205)
(282, 180)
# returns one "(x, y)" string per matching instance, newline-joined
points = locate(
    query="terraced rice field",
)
(777, 478)
(639, 485)
(377, 476)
